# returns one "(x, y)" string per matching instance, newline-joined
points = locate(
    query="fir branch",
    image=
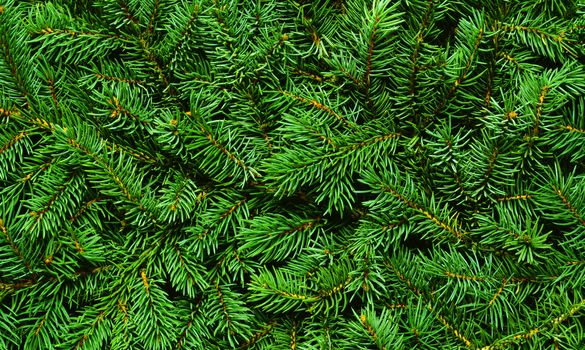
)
(511, 59)
(403, 278)
(521, 337)
(153, 15)
(231, 156)
(538, 113)
(40, 214)
(365, 143)
(458, 334)
(463, 277)
(43, 167)
(155, 62)
(232, 209)
(183, 334)
(120, 110)
(118, 79)
(372, 41)
(498, 293)
(139, 155)
(419, 41)
(107, 167)
(293, 336)
(14, 70)
(14, 287)
(72, 33)
(573, 129)
(370, 330)
(126, 9)
(455, 231)
(135, 133)
(13, 141)
(314, 76)
(393, 225)
(7, 112)
(514, 197)
(184, 34)
(319, 106)
(463, 72)
(258, 335)
(537, 33)
(51, 85)
(16, 250)
(568, 205)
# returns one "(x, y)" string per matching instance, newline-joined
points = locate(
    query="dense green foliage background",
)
(219, 174)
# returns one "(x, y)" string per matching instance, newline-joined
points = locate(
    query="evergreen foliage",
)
(309, 174)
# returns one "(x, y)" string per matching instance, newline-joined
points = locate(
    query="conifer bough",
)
(219, 174)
